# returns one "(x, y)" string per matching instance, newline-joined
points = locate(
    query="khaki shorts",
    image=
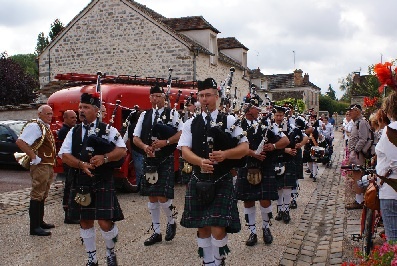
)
(42, 177)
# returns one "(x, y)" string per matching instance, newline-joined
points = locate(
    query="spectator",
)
(386, 151)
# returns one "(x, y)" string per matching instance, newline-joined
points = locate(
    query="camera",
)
(364, 182)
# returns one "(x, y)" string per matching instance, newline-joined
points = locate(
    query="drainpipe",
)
(195, 54)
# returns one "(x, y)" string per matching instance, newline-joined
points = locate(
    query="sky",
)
(328, 39)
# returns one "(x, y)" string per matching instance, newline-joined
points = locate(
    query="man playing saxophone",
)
(38, 143)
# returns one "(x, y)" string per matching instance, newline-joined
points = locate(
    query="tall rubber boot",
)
(43, 224)
(35, 217)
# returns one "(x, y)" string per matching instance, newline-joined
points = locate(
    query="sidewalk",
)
(315, 235)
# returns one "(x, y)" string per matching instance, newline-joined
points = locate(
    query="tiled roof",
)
(229, 43)
(189, 23)
(229, 60)
(280, 81)
(256, 73)
(147, 10)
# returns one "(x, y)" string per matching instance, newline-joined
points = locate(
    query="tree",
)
(297, 103)
(331, 93)
(346, 86)
(28, 64)
(16, 86)
(42, 43)
(56, 27)
(330, 105)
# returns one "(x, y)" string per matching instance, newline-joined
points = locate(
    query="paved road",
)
(316, 235)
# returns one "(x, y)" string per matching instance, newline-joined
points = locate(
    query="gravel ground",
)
(64, 246)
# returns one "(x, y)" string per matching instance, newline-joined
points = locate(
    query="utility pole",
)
(294, 60)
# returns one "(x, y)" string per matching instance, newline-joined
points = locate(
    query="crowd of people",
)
(256, 153)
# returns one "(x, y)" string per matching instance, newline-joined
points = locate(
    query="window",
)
(4, 133)
(244, 61)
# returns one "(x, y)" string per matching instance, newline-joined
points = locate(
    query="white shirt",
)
(328, 132)
(347, 127)
(31, 132)
(175, 120)
(67, 143)
(386, 158)
(186, 136)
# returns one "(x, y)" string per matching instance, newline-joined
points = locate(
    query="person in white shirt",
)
(386, 151)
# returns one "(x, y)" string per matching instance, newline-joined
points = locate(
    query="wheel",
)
(367, 232)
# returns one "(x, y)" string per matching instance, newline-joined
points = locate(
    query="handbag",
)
(254, 176)
(83, 196)
(205, 192)
(151, 174)
(371, 196)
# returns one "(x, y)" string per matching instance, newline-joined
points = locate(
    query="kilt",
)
(222, 211)
(164, 187)
(288, 179)
(185, 177)
(265, 190)
(104, 205)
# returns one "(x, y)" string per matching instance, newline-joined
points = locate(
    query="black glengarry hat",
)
(92, 99)
(278, 108)
(354, 106)
(156, 89)
(208, 83)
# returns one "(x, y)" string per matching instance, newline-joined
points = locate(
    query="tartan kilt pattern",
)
(222, 211)
(165, 184)
(104, 204)
(185, 177)
(288, 179)
(265, 190)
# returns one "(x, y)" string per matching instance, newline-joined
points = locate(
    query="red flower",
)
(95, 95)
(385, 75)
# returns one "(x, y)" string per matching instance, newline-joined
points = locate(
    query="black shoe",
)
(170, 232)
(111, 259)
(307, 171)
(70, 221)
(286, 217)
(314, 179)
(252, 240)
(90, 263)
(279, 216)
(293, 204)
(267, 236)
(311, 176)
(38, 231)
(46, 226)
(153, 239)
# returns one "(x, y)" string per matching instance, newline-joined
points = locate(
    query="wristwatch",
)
(274, 145)
(168, 142)
(105, 158)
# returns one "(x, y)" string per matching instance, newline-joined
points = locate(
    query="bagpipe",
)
(97, 142)
(225, 91)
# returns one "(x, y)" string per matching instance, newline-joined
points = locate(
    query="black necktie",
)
(156, 117)
(208, 123)
(87, 128)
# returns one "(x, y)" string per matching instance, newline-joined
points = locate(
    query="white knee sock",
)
(280, 201)
(360, 198)
(250, 214)
(88, 236)
(315, 169)
(287, 198)
(167, 209)
(205, 251)
(265, 216)
(220, 249)
(110, 239)
(154, 209)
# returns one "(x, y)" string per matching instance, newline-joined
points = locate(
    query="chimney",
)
(298, 79)
(356, 78)
(306, 79)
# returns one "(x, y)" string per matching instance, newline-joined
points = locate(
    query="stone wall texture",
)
(114, 37)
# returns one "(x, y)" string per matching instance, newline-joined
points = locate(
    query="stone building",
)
(123, 37)
(292, 85)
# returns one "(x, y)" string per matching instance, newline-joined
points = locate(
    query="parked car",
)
(9, 133)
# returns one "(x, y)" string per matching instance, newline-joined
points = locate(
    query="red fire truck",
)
(131, 91)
